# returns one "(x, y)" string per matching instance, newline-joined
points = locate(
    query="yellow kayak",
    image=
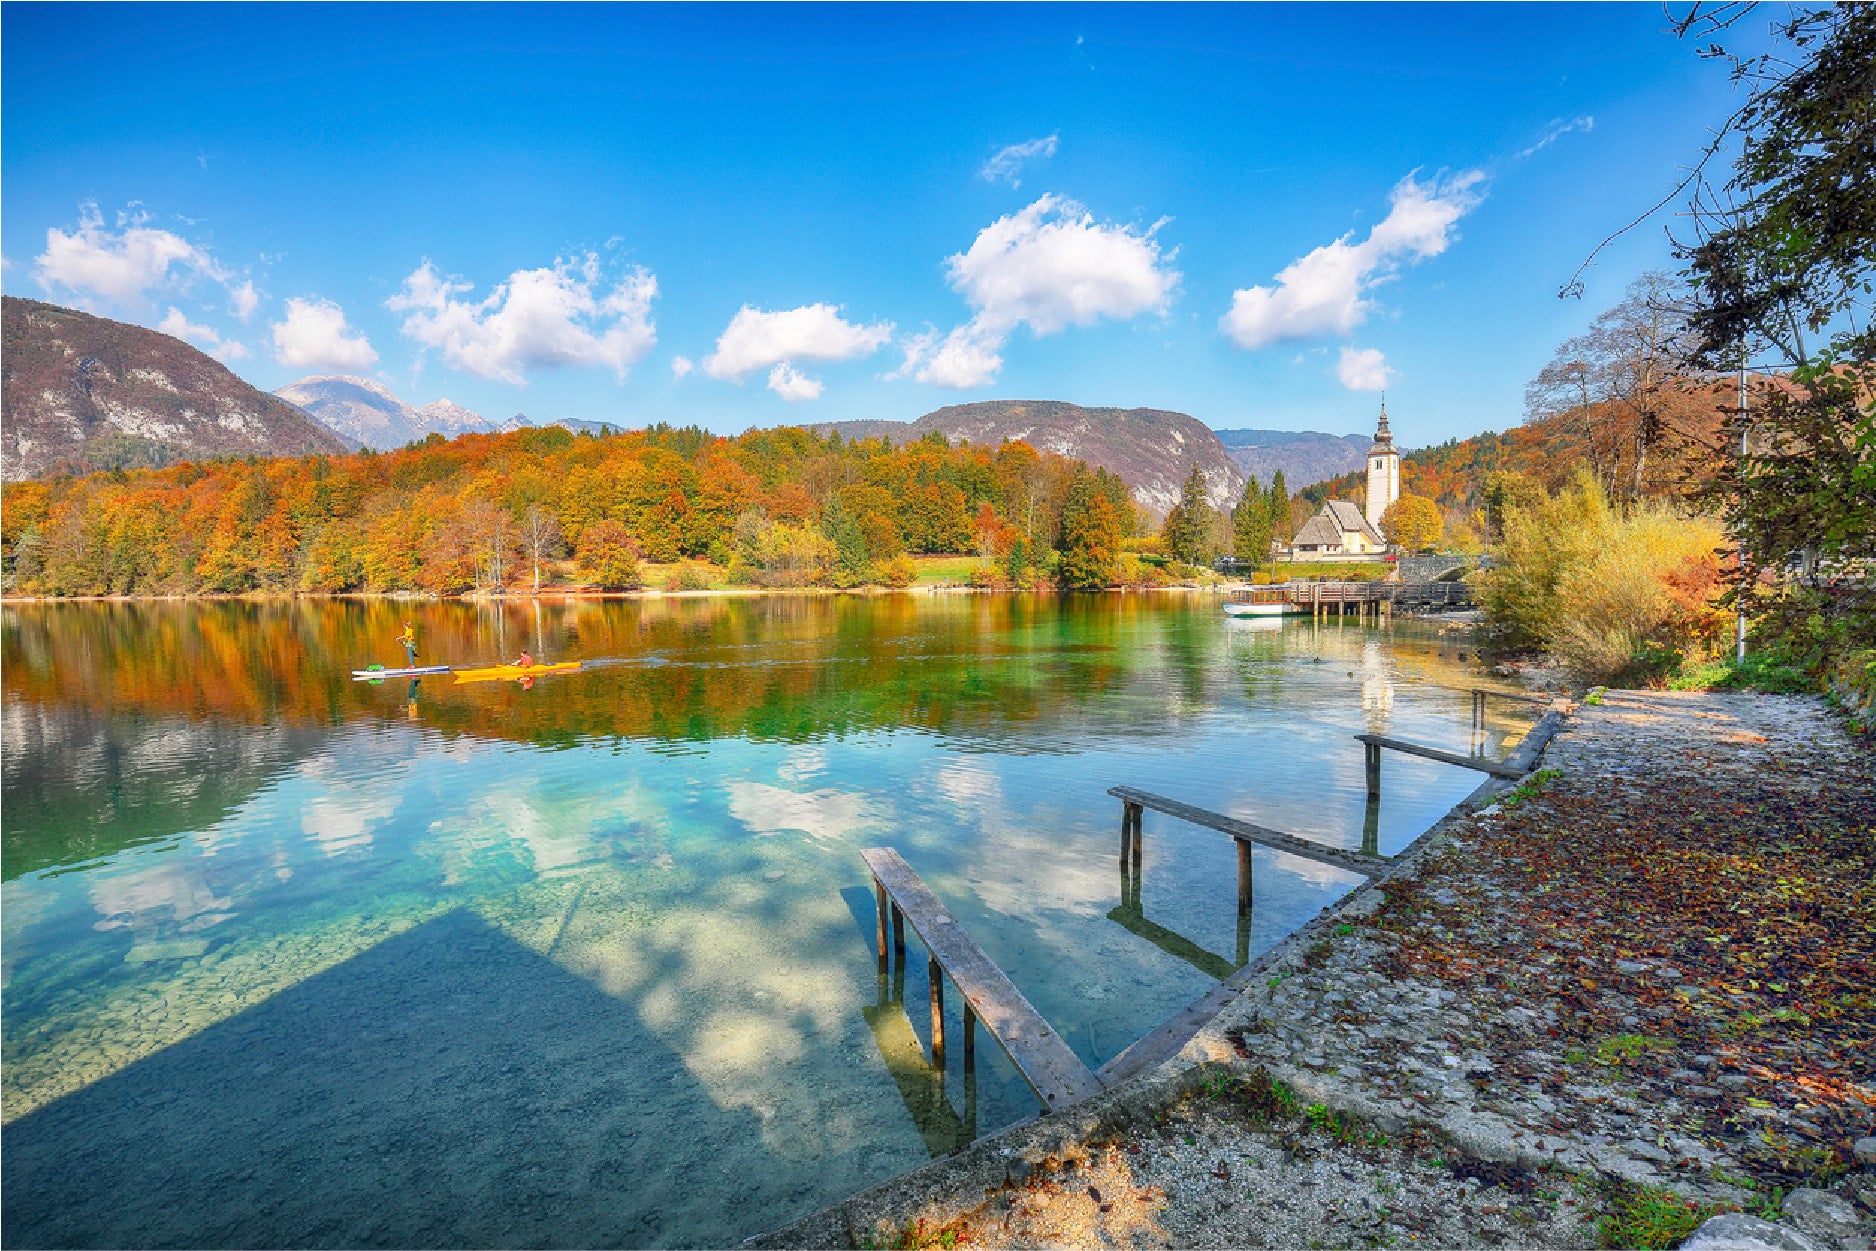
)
(508, 673)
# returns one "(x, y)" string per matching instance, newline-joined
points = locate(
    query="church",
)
(1340, 528)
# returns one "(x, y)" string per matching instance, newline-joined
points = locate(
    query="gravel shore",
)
(1637, 991)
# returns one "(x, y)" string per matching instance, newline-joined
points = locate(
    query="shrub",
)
(899, 572)
(1622, 600)
(1136, 574)
(689, 576)
(988, 578)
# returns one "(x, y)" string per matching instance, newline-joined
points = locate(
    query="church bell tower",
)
(1383, 472)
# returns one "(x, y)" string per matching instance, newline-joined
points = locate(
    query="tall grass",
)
(1621, 599)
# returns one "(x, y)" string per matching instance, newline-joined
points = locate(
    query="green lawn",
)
(944, 568)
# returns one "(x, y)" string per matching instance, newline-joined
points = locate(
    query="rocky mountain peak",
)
(81, 393)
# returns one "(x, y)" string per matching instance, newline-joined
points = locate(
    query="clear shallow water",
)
(293, 960)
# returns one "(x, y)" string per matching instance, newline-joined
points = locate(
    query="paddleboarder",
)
(409, 639)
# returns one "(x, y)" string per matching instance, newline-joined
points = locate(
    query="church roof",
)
(1350, 519)
(1337, 519)
(1318, 531)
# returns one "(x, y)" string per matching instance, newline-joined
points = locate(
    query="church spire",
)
(1381, 434)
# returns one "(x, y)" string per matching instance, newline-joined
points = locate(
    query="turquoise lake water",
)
(295, 960)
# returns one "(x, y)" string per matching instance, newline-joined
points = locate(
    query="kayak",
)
(375, 672)
(509, 673)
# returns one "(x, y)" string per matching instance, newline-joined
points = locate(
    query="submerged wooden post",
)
(970, 1038)
(1126, 832)
(1244, 939)
(898, 934)
(937, 976)
(1372, 752)
(1244, 878)
(879, 891)
(1137, 839)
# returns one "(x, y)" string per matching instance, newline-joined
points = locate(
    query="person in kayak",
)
(409, 639)
(524, 661)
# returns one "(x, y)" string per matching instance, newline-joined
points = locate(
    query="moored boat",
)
(1261, 601)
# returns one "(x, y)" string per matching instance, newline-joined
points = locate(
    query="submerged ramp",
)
(1052, 1070)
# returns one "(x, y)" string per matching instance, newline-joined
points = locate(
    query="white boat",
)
(1262, 601)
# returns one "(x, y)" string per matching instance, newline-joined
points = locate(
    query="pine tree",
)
(1252, 526)
(1188, 525)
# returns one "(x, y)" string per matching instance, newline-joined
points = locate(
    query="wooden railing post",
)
(1372, 758)
(1137, 836)
(1244, 878)
(937, 976)
(879, 891)
(898, 934)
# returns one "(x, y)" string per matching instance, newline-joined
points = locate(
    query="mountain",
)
(1304, 456)
(448, 418)
(82, 393)
(370, 415)
(1151, 449)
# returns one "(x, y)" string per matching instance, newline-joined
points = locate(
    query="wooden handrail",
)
(1050, 1067)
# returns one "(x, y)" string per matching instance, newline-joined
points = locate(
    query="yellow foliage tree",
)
(1413, 523)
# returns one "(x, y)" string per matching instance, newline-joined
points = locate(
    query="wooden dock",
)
(1133, 799)
(1366, 599)
(1052, 1070)
(1512, 767)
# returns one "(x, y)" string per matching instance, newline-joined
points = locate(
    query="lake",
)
(295, 960)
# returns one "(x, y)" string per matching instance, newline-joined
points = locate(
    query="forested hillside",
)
(1677, 458)
(774, 507)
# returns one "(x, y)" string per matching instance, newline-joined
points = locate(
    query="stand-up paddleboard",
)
(509, 673)
(375, 672)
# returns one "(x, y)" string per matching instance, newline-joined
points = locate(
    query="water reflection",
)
(211, 831)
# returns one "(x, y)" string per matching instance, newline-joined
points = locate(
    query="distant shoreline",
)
(645, 593)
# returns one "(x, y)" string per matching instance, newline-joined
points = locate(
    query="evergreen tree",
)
(852, 559)
(1188, 525)
(1278, 503)
(1252, 526)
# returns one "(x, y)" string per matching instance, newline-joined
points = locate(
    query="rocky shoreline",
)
(1632, 995)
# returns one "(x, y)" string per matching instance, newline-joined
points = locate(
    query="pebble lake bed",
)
(1629, 997)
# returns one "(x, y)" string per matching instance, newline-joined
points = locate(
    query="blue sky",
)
(763, 215)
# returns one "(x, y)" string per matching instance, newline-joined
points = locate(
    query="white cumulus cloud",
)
(789, 383)
(681, 365)
(538, 318)
(814, 332)
(315, 336)
(1048, 267)
(1324, 292)
(1009, 161)
(243, 300)
(94, 265)
(1363, 369)
(756, 340)
(204, 337)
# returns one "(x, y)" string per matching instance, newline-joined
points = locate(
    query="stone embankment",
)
(1636, 993)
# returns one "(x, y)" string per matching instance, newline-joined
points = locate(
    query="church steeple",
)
(1383, 470)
